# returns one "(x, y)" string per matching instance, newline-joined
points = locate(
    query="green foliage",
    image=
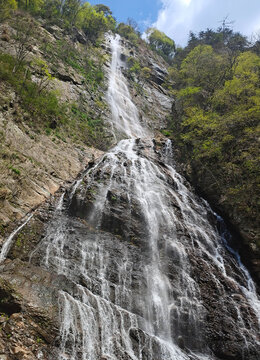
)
(145, 73)
(134, 65)
(203, 68)
(93, 22)
(34, 6)
(6, 8)
(16, 171)
(70, 10)
(90, 127)
(160, 42)
(24, 30)
(43, 104)
(243, 88)
(51, 10)
(166, 133)
(137, 73)
(216, 122)
(128, 32)
(45, 76)
(104, 9)
(223, 40)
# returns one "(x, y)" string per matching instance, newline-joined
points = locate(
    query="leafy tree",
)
(161, 43)
(6, 8)
(203, 68)
(45, 77)
(70, 10)
(51, 9)
(222, 39)
(103, 8)
(33, 6)
(255, 46)
(216, 115)
(128, 32)
(131, 22)
(134, 65)
(24, 30)
(243, 89)
(92, 22)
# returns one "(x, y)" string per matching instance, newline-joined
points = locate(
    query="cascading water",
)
(131, 257)
(125, 117)
(9, 241)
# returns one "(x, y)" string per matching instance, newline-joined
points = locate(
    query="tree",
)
(104, 9)
(243, 88)
(255, 43)
(128, 32)
(6, 8)
(51, 9)
(70, 10)
(44, 73)
(92, 22)
(160, 42)
(134, 25)
(204, 68)
(24, 30)
(33, 6)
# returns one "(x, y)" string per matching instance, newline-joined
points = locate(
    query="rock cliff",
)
(120, 259)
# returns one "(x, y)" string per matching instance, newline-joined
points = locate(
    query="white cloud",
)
(255, 26)
(185, 2)
(177, 17)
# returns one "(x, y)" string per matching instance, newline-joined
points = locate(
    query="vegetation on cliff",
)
(215, 122)
(213, 81)
(32, 62)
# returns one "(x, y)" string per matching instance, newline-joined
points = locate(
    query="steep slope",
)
(127, 263)
(41, 150)
(215, 126)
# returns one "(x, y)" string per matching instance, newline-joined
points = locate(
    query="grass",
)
(16, 171)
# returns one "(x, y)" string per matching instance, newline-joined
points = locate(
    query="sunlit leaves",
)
(203, 67)
(6, 8)
(160, 42)
(217, 112)
(93, 22)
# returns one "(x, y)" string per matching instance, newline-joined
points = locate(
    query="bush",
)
(6, 8)
(44, 106)
(161, 43)
(128, 32)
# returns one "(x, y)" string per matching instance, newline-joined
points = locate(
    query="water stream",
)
(9, 241)
(136, 295)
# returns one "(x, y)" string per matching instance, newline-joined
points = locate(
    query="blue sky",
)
(142, 11)
(177, 17)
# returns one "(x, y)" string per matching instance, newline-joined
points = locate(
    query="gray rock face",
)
(99, 248)
(225, 318)
(159, 72)
(93, 256)
(127, 264)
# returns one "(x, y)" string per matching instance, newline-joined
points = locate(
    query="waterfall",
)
(9, 241)
(125, 117)
(129, 239)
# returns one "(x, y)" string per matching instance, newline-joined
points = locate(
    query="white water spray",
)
(9, 241)
(123, 304)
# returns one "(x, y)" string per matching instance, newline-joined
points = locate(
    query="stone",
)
(4, 357)
(79, 36)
